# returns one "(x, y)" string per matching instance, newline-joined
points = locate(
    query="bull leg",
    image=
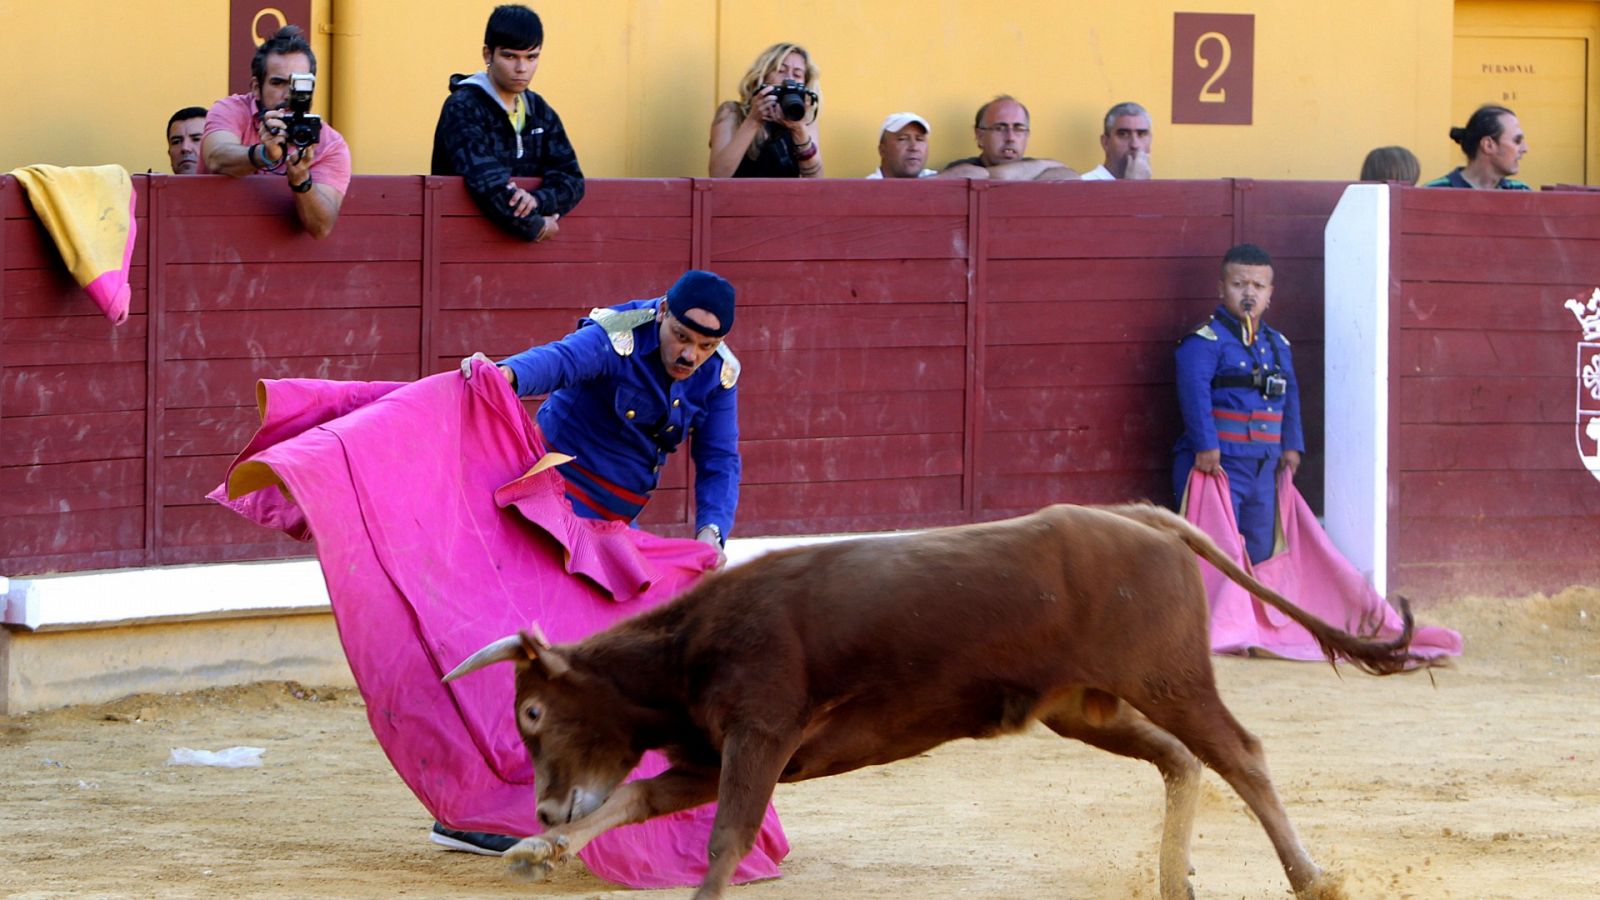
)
(634, 801)
(751, 764)
(1206, 727)
(1101, 720)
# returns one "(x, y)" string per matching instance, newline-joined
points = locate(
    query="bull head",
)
(579, 753)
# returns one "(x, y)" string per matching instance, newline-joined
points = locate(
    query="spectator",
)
(753, 138)
(1494, 144)
(1125, 140)
(1391, 164)
(492, 129)
(1240, 399)
(903, 147)
(1001, 128)
(184, 132)
(245, 135)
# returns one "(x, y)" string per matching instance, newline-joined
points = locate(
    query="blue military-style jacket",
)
(613, 407)
(1220, 407)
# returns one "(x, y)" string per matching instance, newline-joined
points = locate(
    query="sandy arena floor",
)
(1481, 784)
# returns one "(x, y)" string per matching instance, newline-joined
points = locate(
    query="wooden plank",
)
(209, 431)
(1503, 306)
(232, 382)
(267, 197)
(90, 485)
(1481, 209)
(293, 285)
(830, 237)
(666, 506)
(573, 287)
(833, 371)
(602, 198)
(1509, 493)
(788, 415)
(1267, 199)
(28, 246)
(1495, 401)
(1086, 322)
(1496, 260)
(499, 332)
(1147, 200)
(796, 328)
(1018, 494)
(227, 240)
(825, 502)
(81, 340)
(1077, 448)
(300, 332)
(1052, 365)
(1427, 583)
(1486, 448)
(186, 480)
(1169, 279)
(52, 390)
(1486, 354)
(215, 527)
(1036, 408)
(57, 533)
(1538, 224)
(1460, 539)
(852, 282)
(1096, 237)
(473, 239)
(857, 197)
(838, 459)
(52, 293)
(74, 437)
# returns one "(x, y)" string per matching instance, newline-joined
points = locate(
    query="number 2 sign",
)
(1213, 68)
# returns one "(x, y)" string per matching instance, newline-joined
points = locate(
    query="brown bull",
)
(827, 658)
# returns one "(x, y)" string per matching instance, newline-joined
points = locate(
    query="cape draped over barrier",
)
(89, 213)
(1308, 570)
(438, 532)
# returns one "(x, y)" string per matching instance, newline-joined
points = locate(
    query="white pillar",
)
(1356, 349)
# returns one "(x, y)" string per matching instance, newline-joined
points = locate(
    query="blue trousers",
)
(1253, 485)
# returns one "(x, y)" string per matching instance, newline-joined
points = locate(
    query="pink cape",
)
(1310, 571)
(433, 543)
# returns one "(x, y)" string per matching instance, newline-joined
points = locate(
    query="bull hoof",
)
(533, 859)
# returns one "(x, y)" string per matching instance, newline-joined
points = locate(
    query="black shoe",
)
(480, 842)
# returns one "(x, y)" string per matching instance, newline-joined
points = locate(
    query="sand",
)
(1480, 782)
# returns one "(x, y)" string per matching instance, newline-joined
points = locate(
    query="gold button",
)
(629, 413)
(671, 428)
(655, 468)
(675, 404)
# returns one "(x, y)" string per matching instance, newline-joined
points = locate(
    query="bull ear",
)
(549, 660)
(507, 649)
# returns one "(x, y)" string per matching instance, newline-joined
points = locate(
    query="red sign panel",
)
(250, 23)
(1213, 68)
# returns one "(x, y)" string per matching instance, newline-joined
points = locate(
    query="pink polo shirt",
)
(237, 114)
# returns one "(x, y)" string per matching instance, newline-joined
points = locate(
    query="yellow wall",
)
(636, 81)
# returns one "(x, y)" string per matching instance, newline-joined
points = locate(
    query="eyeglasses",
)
(1005, 128)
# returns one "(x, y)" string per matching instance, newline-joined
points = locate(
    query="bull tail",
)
(1364, 651)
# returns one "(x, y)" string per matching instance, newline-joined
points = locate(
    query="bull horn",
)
(503, 650)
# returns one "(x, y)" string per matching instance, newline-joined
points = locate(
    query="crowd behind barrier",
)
(915, 353)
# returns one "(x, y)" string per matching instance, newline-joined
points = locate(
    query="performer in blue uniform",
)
(628, 386)
(1240, 399)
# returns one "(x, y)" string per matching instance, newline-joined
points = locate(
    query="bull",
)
(823, 659)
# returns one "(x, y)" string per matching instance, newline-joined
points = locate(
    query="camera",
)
(1272, 384)
(303, 127)
(791, 97)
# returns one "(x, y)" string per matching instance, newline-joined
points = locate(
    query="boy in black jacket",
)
(493, 129)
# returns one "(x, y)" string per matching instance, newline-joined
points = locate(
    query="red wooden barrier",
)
(1490, 495)
(914, 354)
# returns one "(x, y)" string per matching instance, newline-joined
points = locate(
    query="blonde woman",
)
(756, 137)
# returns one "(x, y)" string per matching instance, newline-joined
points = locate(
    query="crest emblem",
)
(1588, 407)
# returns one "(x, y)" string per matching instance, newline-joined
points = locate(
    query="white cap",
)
(899, 120)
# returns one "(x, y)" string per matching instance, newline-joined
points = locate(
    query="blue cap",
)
(698, 289)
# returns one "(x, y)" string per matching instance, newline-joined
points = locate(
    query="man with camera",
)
(493, 129)
(271, 131)
(1240, 399)
(1001, 129)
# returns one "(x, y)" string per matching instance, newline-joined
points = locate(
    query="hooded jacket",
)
(475, 139)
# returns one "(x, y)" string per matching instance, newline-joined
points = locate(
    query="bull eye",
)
(531, 713)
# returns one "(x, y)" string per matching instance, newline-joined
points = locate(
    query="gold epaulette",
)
(1205, 331)
(730, 366)
(619, 325)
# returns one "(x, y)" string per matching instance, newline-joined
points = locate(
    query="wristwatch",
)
(302, 187)
(715, 532)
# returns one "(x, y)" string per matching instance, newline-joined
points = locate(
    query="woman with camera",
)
(771, 132)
